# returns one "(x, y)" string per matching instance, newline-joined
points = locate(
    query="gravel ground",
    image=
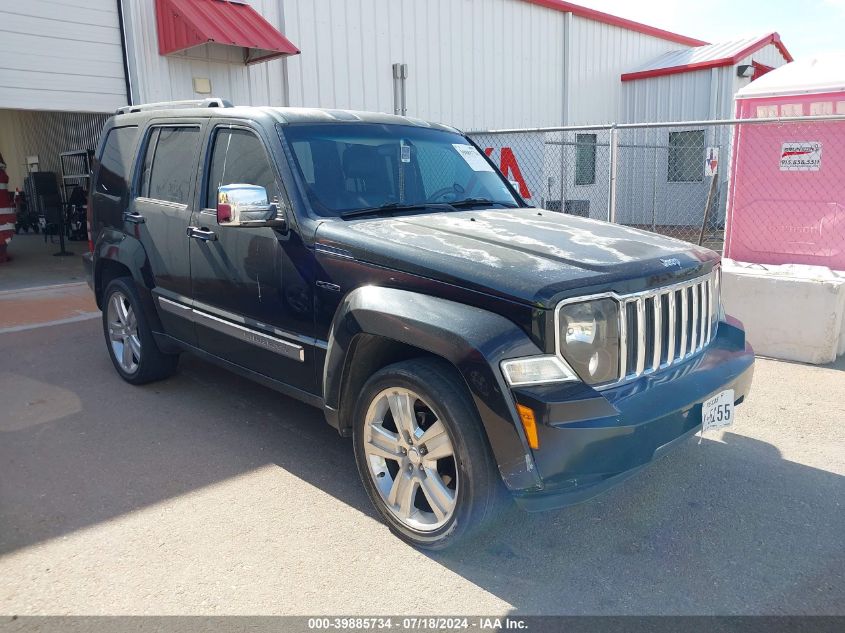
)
(207, 494)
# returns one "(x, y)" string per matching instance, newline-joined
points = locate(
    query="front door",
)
(159, 216)
(252, 290)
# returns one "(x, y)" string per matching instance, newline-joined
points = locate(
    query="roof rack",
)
(214, 102)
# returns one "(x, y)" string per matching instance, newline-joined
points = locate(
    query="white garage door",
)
(61, 55)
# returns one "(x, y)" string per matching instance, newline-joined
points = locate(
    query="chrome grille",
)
(664, 326)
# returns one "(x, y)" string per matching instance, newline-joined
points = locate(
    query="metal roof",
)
(184, 24)
(702, 57)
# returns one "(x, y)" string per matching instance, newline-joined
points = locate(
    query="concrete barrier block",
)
(791, 312)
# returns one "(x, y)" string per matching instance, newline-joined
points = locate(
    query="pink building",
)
(786, 202)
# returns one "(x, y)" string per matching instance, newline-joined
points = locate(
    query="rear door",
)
(161, 210)
(111, 193)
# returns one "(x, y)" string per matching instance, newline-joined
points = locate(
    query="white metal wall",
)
(475, 64)
(769, 55)
(696, 95)
(166, 78)
(599, 55)
(61, 55)
(680, 97)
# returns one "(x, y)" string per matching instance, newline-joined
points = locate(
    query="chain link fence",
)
(778, 185)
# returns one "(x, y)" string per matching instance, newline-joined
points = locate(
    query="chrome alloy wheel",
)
(123, 333)
(411, 459)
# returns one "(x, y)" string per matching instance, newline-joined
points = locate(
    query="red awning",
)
(183, 24)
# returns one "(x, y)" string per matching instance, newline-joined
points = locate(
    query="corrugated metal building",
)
(475, 64)
(685, 84)
(696, 84)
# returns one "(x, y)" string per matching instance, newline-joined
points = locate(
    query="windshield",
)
(357, 166)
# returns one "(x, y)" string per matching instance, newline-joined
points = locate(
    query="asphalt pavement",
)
(208, 494)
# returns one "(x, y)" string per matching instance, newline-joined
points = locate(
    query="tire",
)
(129, 340)
(388, 463)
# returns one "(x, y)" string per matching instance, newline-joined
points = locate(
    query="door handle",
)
(134, 218)
(202, 234)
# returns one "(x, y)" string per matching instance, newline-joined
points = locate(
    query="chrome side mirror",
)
(246, 206)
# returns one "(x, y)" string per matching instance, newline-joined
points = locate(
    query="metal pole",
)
(614, 151)
(654, 194)
(127, 77)
(668, 124)
(403, 85)
(397, 75)
(707, 206)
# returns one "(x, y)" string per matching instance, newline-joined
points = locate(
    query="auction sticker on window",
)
(473, 157)
(718, 411)
(801, 156)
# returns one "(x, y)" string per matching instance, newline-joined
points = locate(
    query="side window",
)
(686, 156)
(115, 164)
(169, 164)
(238, 157)
(585, 159)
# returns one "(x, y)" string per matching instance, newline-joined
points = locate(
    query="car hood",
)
(526, 255)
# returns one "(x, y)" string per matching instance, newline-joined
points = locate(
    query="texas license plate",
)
(718, 411)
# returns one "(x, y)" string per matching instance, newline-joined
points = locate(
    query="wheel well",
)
(368, 354)
(107, 269)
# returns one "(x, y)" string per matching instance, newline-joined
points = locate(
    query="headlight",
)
(588, 338)
(536, 370)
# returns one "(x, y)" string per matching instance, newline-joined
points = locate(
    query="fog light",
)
(536, 370)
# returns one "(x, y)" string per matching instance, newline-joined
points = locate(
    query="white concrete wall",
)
(165, 78)
(790, 312)
(61, 55)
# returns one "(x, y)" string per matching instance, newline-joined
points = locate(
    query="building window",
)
(585, 159)
(686, 156)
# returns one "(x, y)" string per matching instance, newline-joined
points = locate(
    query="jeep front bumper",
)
(590, 440)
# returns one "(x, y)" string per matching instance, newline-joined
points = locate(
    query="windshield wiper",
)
(479, 202)
(394, 206)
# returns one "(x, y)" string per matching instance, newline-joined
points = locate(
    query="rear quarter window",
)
(115, 163)
(170, 164)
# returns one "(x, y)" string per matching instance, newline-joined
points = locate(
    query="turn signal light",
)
(526, 414)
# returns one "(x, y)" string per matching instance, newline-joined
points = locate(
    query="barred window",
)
(585, 159)
(686, 156)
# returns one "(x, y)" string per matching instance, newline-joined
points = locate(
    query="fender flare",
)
(473, 340)
(116, 247)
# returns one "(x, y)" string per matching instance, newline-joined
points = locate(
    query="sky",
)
(807, 27)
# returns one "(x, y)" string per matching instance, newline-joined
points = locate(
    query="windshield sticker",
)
(473, 157)
(405, 154)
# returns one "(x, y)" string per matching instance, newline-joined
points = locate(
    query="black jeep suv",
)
(382, 269)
